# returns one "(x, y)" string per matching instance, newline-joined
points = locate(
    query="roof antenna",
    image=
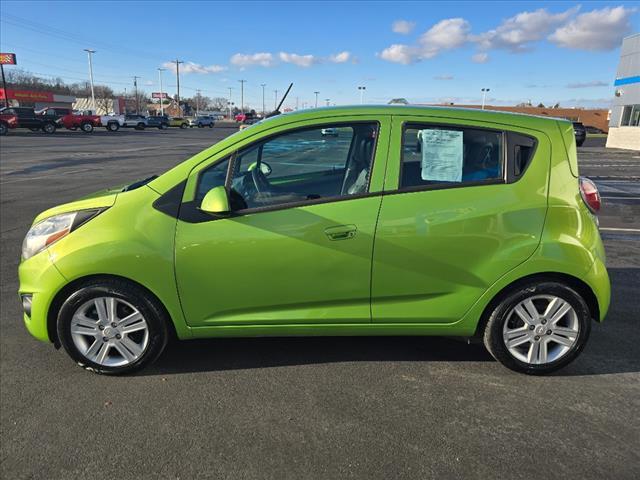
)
(277, 110)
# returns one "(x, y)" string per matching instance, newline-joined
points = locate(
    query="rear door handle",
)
(341, 232)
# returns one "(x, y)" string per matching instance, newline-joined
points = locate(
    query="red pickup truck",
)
(71, 120)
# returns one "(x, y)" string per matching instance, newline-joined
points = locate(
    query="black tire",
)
(164, 126)
(35, 129)
(140, 126)
(183, 125)
(580, 142)
(211, 125)
(493, 332)
(200, 125)
(4, 129)
(49, 128)
(113, 126)
(86, 127)
(148, 306)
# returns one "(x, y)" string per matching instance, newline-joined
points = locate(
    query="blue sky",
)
(546, 52)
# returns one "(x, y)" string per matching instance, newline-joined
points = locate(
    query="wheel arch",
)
(69, 288)
(577, 284)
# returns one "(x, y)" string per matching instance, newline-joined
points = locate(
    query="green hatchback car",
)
(409, 221)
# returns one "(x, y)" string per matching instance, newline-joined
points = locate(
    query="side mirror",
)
(216, 201)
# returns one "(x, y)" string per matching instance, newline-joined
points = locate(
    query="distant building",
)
(624, 126)
(37, 100)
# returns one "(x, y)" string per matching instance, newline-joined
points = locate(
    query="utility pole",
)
(484, 93)
(135, 86)
(275, 104)
(178, 62)
(242, 82)
(317, 93)
(197, 101)
(362, 89)
(263, 107)
(160, 70)
(297, 102)
(93, 97)
(230, 114)
(327, 100)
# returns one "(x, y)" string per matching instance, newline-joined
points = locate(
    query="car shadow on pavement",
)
(612, 348)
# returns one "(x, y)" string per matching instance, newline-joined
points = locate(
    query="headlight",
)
(52, 229)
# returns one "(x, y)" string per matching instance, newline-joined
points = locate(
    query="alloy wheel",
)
(109, 331)
(541, 329)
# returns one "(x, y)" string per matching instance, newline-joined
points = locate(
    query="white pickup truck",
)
(114, 122)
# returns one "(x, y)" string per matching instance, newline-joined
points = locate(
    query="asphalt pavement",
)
(374, 408)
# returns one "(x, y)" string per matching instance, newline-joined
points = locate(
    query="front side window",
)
(301, 166)
(450, 155)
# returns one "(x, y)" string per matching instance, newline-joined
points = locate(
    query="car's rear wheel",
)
(183, 125)
(113, 126)
(86, 127)
(140, 126)
(538, 327)
(3, 128)
(112, 327)
(211, 125)
(49, 128)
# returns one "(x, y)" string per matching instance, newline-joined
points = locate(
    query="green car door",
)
(297, 246)
(455, 215)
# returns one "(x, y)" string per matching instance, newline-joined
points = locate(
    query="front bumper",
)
(41, 279)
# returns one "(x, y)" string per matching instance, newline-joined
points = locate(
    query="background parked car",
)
(23, 117)
(591, 129)
(581, 133)
(139, 122)
(158, 121)
(7, 120)
(67, 118)
(178, 122)
(202, 121)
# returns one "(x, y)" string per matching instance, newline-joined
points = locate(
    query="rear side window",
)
(451, 156)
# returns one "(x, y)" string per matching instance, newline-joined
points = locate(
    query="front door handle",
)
(341, 232)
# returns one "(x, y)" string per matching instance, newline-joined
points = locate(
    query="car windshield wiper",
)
(139, 183)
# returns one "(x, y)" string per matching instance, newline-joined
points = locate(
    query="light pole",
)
(362, 89)
(160, 70)
(93, 97)
(197, 101)
(230, 115)
(135, 87)
(275, 103)
(484, 93)
(242, 82)
(317, 93)
(263, 107)
(178, 62)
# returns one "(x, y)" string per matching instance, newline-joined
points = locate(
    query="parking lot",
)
(307, 407)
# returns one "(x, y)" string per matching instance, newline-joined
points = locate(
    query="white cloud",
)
(443, 77)
(299, 60)
(403, 27)
(517, 33)
(342, 57)
(262, 59)
(596, 30)
(480, 57)
(399, 54)
(191, 67)
(594, 83)
(445, 35)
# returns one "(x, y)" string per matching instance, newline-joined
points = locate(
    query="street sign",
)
(8, 59)
(159, 95)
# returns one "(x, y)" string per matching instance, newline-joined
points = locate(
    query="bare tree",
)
(104, 99)
(219, 103)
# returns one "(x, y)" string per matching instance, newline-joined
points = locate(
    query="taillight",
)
(590, 194)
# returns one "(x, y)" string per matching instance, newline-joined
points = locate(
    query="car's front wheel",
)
(49, 128)
(538, 327)
(3, 128)
(112, 327)
(86, 127)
